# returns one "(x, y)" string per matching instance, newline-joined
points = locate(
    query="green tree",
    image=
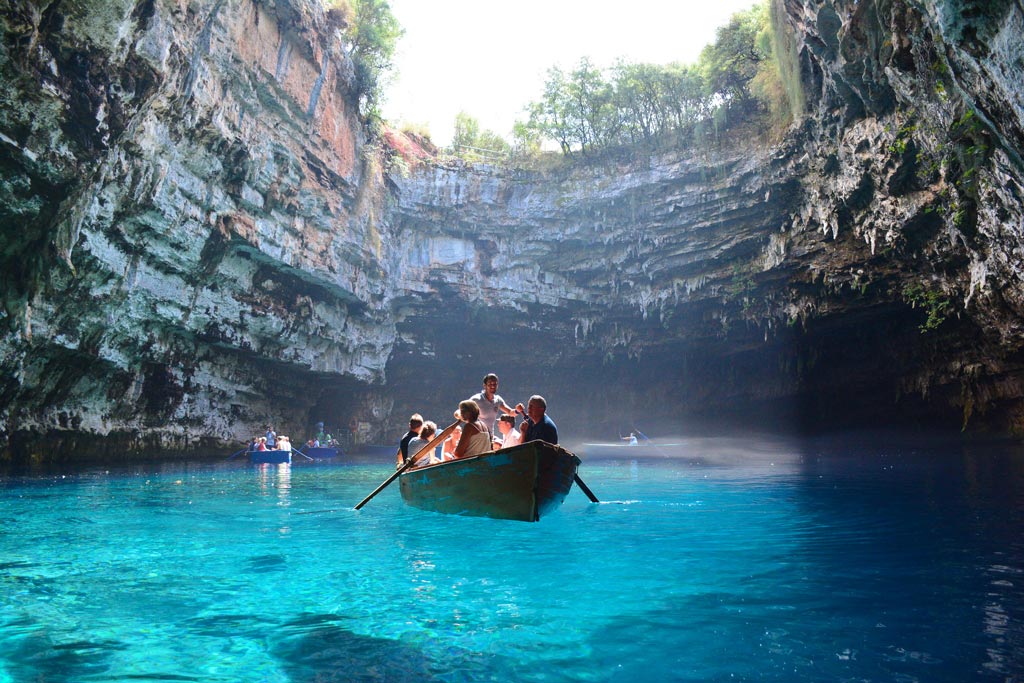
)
(551, 116)
(750, 69)
(639, 100)
(684, 94)
(372, 37)
(526, 140)
(467, 131)
(591, 112)
(730, 63)
(472, 143)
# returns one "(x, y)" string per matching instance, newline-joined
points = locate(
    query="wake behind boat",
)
(521, 483)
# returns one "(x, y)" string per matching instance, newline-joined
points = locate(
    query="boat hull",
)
(270, 457)
(321, 452)
(522, 483)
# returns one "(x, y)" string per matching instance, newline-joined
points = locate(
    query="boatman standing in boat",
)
(490, 403)
(537, 426)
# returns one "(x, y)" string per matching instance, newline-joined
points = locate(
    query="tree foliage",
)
(746, 75)
(470, 142)
(372, 34)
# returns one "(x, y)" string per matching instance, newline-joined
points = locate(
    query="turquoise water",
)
(731, 560)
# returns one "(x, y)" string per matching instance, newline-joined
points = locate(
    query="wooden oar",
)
(583, 487)
(296, 450)
(239, 453)
(408, 463)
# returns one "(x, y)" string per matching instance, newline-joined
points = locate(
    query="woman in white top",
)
(476, 438)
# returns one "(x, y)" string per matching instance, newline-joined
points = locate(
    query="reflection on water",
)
(729, 559)
(275, 479)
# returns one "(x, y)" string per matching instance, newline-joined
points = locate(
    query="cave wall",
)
(204, 239)
(192, 250)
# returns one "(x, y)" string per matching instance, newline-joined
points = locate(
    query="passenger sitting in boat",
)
(448, 447)
(510, 435)
(262, 444)
(476, 438)
(537, 426)
(309, 444)
(427, 433)
(284, 443)
(415, 424)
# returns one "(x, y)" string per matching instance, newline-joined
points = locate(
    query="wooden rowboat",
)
(522, 483)
(274, 457)
(320, 452)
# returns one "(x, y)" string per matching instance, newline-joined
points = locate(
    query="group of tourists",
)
(486, 422)
(270, 442)
(322, 439)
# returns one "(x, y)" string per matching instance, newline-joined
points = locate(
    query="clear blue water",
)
(730, 561)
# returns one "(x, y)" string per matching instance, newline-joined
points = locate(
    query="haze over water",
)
(726, 559)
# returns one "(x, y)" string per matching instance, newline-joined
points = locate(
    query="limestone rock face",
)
(201, 239)
(863, 271)
(193, 247)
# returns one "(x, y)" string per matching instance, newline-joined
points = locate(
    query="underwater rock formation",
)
(209, 240)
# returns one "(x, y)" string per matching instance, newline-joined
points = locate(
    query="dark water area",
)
(870, 557)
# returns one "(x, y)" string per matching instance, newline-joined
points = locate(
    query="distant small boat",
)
(521, 483)
(644, 449)
(274, 457)
(320, 452)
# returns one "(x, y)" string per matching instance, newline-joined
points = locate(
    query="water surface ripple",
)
(783, 564)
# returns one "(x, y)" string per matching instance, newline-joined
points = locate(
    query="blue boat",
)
(320, 452)
(270, 457)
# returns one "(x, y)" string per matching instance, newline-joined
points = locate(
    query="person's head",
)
(415, 422)
(490, 383)
(469, 411)
(428, 430)
(506, 423)
(536, 408)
